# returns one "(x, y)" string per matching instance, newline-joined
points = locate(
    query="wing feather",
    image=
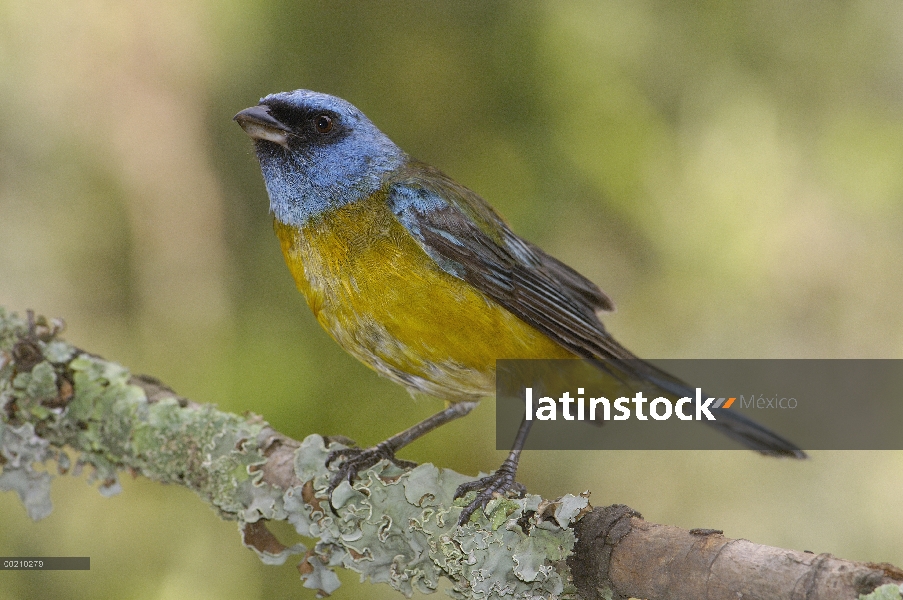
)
(470, 241)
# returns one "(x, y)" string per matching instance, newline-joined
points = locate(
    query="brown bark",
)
(618, 551)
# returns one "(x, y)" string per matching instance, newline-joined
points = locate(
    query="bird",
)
(419, 278)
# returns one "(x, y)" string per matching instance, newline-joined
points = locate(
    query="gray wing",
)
(467, 239)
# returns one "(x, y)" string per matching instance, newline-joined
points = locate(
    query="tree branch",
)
(619, 551)
(392, 526)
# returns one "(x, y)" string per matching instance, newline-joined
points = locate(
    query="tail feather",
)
(754, 436)
(730, 423)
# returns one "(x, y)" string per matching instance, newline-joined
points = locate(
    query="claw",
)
(358, 459)
(499, 483)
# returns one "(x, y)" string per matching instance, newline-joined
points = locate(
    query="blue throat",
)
(329, 183)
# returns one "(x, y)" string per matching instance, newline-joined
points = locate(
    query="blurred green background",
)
(730, 173)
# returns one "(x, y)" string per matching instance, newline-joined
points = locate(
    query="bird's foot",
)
(359, 459)
(498, 484)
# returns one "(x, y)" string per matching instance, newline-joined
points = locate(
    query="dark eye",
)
(323, 123)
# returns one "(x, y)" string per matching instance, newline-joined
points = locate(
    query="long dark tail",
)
(752, 435)
(732, 424)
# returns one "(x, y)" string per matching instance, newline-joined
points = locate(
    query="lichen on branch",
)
(65, 407)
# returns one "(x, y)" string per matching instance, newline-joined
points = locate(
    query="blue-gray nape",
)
(310, 178)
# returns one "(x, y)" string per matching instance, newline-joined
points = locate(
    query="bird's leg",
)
(500, 482)
(358, 459)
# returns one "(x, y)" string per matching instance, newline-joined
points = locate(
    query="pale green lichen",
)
(391, 526)
(21, 450)
(110, 422)
(401, 528)
(888, 591)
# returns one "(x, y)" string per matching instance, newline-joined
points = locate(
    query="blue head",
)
(317, 152)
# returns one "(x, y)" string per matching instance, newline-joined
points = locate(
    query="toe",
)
(499, 483)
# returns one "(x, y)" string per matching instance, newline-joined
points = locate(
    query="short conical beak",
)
(261, 125)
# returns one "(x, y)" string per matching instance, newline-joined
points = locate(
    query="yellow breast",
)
(381, 297)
